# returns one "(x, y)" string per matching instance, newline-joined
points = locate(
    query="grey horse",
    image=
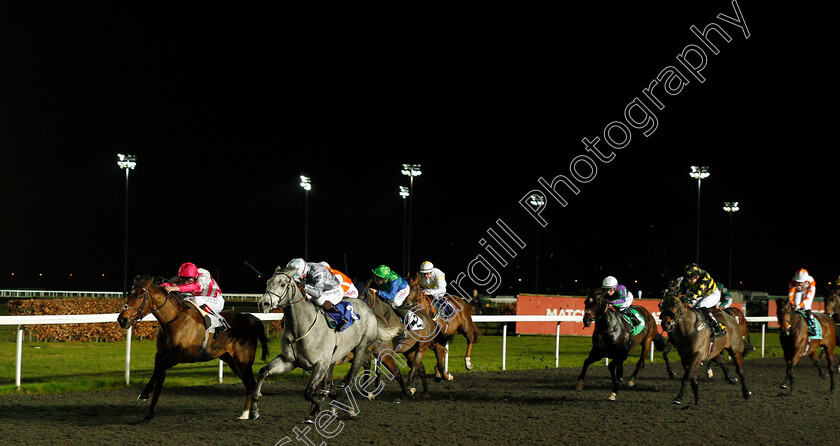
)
(309, 343)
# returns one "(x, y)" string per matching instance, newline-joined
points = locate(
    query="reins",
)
(138, 312)
(303, 297)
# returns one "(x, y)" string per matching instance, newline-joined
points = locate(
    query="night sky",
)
(225, 108)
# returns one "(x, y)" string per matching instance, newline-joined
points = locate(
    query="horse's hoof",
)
(672, 374)
(450, 377)
(747, 395)
(438, 378)
(783, 386)
(710, 373)
(733, 380)
(579, 385)
(677, 401)
(611, 397)
(412, 391)
(143, 397)
(620, 380)
(308, 421)
(370, 396)
(468, 366)
(631, 383)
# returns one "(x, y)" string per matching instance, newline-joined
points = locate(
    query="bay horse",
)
(793, 334)
(613, 339)
(181, 338)
(695, 343)
(413, 347)
(308, 342)
(460, 321)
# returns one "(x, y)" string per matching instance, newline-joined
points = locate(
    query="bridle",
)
(679, 305)
(138, 312)
(302, 298)
(605, 306)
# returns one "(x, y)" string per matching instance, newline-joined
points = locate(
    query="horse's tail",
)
(263, 341)
(385, 333)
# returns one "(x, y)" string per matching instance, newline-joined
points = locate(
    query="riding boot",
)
(718, 328)
(812, 329)
(330, 308)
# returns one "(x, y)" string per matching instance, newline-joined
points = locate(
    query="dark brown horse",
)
(181, 338)
(793, 334)
(413, 347)
(457, 320)
(695, 343)
(612, 339)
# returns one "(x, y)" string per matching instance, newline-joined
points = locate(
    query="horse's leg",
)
(640, 364)
(829, 357)
(277, 365)
(388, 362)
(722, 364)
(594, 356)
(665, 354)
(150, 386)
(470, 336)
(412, 370)
(440, 351)
(738, 360)
(690, 365)
(241, 361)
(317, 388)
(616, 369)
(815, 357)
(163, 363)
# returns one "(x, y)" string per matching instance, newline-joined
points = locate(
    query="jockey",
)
(433, 283)
(320, 284)
(725, 297)
(203, 291)
(391, 288)
(346, 284)
(801, 289)
(703, 294)
(620, 297)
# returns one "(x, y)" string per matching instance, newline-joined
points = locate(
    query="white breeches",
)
(400, 297)
(709, 300)
(333, 296)
(217, 304)
(799, 298)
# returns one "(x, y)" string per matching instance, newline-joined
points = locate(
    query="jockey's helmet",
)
(188, 270)
(801, 275)
(692, 270)
(382, 271)
(301, 268)
(609, 282)
(426, 267)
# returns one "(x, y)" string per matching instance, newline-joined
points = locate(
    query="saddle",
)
(220, 324)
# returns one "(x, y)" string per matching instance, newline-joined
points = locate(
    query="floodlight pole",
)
(306, 184)
(699, 173)
(537, 201)
(730, 207)
(127, 163)
(404, 193)
(412, 170)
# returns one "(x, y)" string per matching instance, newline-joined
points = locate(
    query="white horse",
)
(308, 341)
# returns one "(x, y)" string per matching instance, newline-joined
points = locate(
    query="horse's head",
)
(138, 301)
(279, 289)
(671, 309)
(594, 307)
(832, 302)
(784, 313)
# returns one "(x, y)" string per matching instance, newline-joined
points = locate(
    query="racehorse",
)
(181, 337)
(695, 343)
(310, 343)
(793, 334)
(459, 321)
(413, 347)
(613, 339)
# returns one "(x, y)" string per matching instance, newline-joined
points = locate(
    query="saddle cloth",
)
(637, 322)
(816, 327)
(344, 317)
(212, 321)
